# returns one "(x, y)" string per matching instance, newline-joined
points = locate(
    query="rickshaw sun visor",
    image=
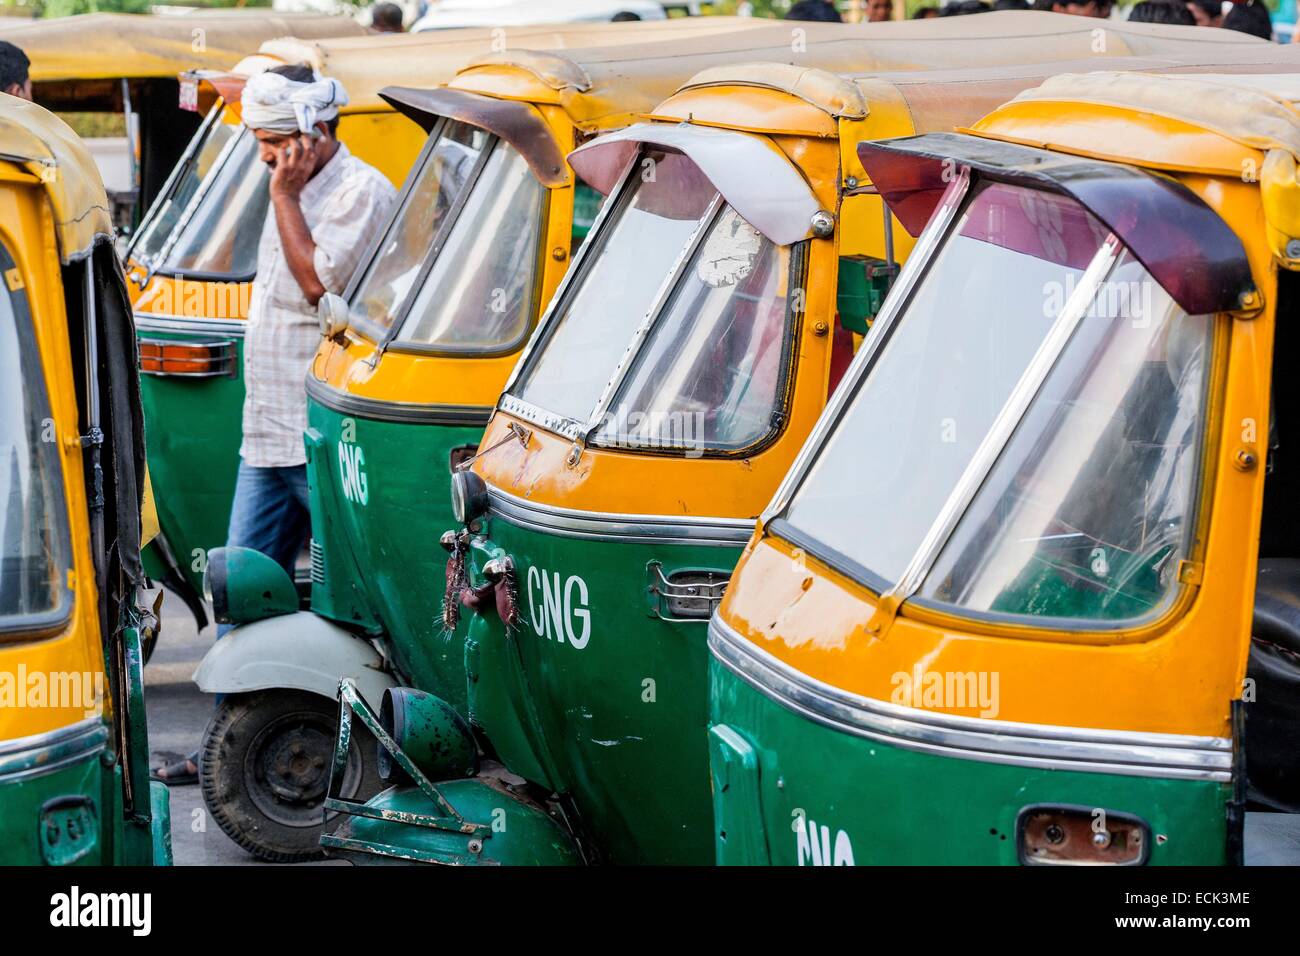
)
(519, 124)
(752, 175)
(1180, 240)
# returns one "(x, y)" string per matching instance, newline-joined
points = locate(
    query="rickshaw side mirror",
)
(332, 311)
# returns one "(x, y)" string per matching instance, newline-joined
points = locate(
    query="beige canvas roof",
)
(1003, 41)
(39, 142)
(604, 83)
(112, 45)
(1257, 110)
(365, 65)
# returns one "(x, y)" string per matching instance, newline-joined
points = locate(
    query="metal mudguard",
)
(302, 651)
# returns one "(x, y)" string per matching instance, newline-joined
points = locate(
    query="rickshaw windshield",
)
(478, 294)
(656, 214)
(34, 544)
(200, 158)
(1029, 318)
(447, 167)
(711, 371)
(218, 235)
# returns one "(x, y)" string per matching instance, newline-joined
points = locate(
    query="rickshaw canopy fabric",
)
(112, 45)
(47, 147)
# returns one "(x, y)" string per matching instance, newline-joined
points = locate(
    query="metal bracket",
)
(351, 702)
(688, 594)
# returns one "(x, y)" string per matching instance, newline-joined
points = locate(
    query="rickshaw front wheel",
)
(264, 769)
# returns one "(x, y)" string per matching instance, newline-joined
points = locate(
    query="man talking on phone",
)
(325, 208)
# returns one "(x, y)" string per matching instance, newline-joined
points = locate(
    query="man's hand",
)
(295, 164)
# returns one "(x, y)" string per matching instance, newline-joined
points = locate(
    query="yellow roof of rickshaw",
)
(1258, 110)
(113, 45)
(35, 140)
(367, 64)
(602, 83)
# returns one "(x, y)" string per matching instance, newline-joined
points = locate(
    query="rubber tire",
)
(233, 727)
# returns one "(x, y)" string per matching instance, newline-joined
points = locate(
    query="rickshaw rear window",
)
(34, 544)
(637, 246)
(446, 168)
(1087, 509)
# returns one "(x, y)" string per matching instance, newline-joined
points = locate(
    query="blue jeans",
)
(270, 514)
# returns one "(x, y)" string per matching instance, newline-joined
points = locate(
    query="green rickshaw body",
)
(380, 501)
(775, 803)
(596, 692)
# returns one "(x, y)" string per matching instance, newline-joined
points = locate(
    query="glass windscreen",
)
(942, 376)
(445, 170)
(635, 252)
(1087, 509)
(198, 163)
(34, 558)
(224, 227)
(478, 293)
(710, 372)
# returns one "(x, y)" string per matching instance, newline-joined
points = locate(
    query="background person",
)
(1206, 13)
(14, 77)
(1162, 11)
(386, 18)
(819, 10)
(1251, 17)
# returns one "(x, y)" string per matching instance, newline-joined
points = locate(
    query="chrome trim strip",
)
(558, 424)
(898, 296)
(61, 748)
(166, 322)
(404, 412)
(1089, 750)
(640, 529)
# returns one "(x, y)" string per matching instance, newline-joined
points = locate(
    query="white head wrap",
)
(278, 104)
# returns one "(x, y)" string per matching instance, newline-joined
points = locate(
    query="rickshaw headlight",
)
(429, 732)
(245, 586)
(469, 497)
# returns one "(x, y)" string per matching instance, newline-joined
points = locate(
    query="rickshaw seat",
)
(1273, 702)
(1277, 604)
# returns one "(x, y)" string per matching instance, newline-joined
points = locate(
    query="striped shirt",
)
(345, 205)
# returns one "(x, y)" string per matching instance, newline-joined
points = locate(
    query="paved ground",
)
(178, 712)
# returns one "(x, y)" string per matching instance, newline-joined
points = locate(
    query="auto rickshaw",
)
(193, 259)
(592, 495)
(74, 776)
(1018, 556)
(128, 63)
(402, 387)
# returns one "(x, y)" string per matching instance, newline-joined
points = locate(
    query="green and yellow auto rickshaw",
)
(74, 777)
(193, 259)
(1017, 558)
(115, 63)
(739, 256)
